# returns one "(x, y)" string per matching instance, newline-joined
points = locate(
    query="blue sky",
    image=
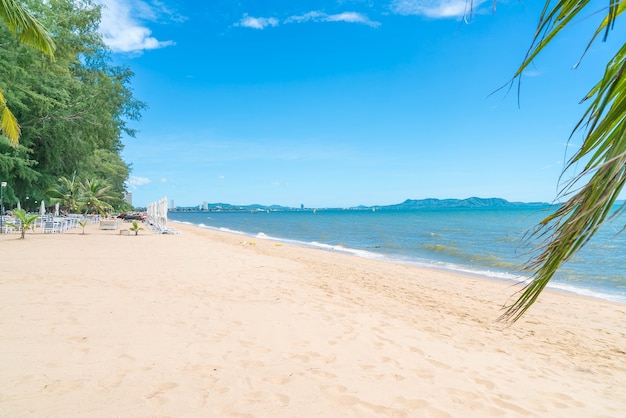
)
(341, 103)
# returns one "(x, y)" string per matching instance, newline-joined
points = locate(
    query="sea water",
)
(485, 241)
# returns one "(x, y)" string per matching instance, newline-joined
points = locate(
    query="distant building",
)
(205, 205)
(128, 198)
(172, 204)
(301, 205)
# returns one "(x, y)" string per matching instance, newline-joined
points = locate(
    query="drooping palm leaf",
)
(29, 32)
(566, 231)
(27, 29)
(8, 122)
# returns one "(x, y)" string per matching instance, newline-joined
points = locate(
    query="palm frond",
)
(8, 123)
(567, 230)
(27, 29)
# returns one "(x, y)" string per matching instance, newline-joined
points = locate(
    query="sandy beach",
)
(213, 324)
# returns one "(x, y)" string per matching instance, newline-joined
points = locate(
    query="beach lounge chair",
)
(51, 227)
(110, 224)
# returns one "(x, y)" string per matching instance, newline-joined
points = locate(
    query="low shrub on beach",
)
(136, 228)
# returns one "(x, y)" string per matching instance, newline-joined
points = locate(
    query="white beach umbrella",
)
(56, 209)
(42, 208)
(163, 211)
(151, 209)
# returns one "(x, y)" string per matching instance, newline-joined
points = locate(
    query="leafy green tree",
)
(602, 154)
(27, 221)
(30, 32)
(73, 110)
(109, 166)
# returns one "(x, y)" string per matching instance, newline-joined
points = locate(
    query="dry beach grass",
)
(205, 324)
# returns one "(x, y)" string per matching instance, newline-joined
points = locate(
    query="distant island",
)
(409, 204)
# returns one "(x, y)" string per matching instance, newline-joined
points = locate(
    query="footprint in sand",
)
(277, 380)
(299, 357)
(155, 395)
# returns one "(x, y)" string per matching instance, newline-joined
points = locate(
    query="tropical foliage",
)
(66, 193)
(78, 196)
(94, 196)
(590, 196)
(83, 224)
(30, 32)
(135, 228)
(73, 110)
(26, 221)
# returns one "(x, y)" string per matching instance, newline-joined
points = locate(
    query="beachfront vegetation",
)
(81, 196)
(589, 198)
(135, 228)
(73, 109)
(30, 32)
(26, 221)
(83, 224)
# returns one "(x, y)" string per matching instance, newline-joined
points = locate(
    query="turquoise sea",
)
(483, 241)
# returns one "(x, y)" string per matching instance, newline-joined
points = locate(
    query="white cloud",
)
(348, 17)
(307, 17)
(134, 181)
(163, 180)
(352, 17)
(314, 16)
(257, 22)
(122, 25)
(436, 9)
(220, 177)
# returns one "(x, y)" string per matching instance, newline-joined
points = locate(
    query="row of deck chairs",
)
(58, 225)
(7, 225)
(54, 224)
(49, 224)
(161, 229)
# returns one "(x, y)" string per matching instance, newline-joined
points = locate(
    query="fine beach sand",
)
(205, 324)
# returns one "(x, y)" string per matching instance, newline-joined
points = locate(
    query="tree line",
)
(72, 104)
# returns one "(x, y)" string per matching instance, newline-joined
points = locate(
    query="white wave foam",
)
(487, 274)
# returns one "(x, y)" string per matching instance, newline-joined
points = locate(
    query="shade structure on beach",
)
(56, 209)
(162, 211)
(42, 208)
(157, 214)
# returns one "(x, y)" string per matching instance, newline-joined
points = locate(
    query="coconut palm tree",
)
(590, 196)
(27, 221)
(94, 195)
(29, 32)
(66, 192)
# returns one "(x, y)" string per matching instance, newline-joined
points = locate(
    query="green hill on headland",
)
(409, 204)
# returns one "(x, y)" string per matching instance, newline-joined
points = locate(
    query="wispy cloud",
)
(123, 25)
(313, 16)
(436, 9)
(257, 22)
(135, 181)
(347, 17)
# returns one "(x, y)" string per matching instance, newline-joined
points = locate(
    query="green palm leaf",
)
(8, 122)
(586, 207)
(27, 29)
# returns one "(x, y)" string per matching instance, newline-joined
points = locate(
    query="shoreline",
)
(501, 277)
(202, 324)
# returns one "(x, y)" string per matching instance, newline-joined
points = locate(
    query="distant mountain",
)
(409, 204)
(472, 202)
